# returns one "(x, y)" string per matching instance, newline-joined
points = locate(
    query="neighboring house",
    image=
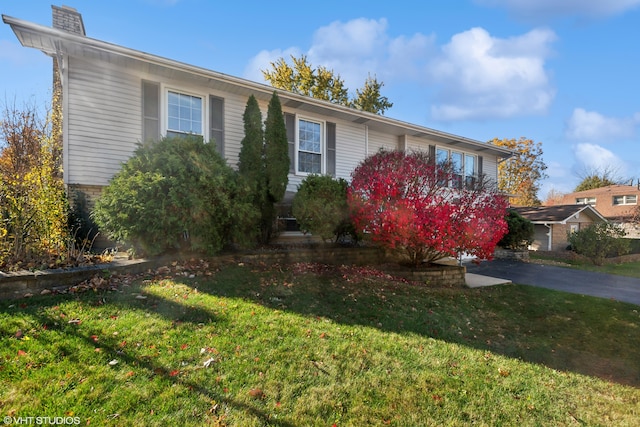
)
(114, 97)
(614, 202)
(553, 224)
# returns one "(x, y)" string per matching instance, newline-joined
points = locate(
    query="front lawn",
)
(630, 269)
(247, 345)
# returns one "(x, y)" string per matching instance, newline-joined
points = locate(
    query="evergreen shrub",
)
(177, 193)
(320, 207)
(520, 234)
(599, 241)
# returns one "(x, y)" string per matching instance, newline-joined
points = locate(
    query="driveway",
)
(602, 285)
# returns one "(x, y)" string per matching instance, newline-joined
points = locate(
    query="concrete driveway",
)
(602, 285)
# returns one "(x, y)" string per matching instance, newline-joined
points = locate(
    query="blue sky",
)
(560, 72)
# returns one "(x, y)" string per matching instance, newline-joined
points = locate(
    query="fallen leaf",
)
(22, 353)
(184, 346)
(114, 362)
(208, 362)
(94, 338)
(174, 373)
(130, 374)
(75, 321)
(256, 393)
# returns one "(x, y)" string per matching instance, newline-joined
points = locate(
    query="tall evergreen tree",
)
(252, 179)
(251, 165)
(276, 151)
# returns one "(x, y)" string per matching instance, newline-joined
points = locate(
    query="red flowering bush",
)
(402, 202)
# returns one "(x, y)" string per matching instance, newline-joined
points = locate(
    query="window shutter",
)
(216, 122)
(432, 154)
(290, 124)
(480, 167)
(150, 111)
(331, 149)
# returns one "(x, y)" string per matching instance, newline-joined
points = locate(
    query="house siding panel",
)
(350, 148)
(109, 99)
(103, 121)
(380, 141)
(417, 144)
(234, 106)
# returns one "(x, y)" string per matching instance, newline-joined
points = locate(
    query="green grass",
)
(311, 345)
(630, 269)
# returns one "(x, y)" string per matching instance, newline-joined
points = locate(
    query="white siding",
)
(234, 106)
(490, 167)
(103, 121)
(104, 124)
(350, 148)
(417, 144)
(378, 141)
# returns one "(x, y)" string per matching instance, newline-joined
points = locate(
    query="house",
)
(552, 224)
(114, 97)
(617, 203)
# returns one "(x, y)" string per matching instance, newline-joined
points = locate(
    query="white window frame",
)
(586, 201)
(626, 200)
(464, 155)
(165, 110)
(323, 145)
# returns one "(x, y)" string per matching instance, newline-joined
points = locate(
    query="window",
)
(464, 168)
(586, 201)
(469, 170)
(184, 114)
(309, 147)
(312, 145)
(625, 200)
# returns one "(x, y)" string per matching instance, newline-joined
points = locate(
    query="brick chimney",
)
(68, 19)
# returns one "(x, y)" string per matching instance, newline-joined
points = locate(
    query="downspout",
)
(550, 239)
(366, 141)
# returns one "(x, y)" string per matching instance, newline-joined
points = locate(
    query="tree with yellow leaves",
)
(519, 176)
(33, 205)
(323, 83)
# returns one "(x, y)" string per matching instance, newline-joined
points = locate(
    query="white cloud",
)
(476, 76)
(356, 38)
(590, 126)
(595, 157)
(263, 60)
(481, 76)
(355, 49)
(549, 9)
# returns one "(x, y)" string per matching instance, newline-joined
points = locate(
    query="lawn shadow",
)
(131, 298)
(534, 325)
